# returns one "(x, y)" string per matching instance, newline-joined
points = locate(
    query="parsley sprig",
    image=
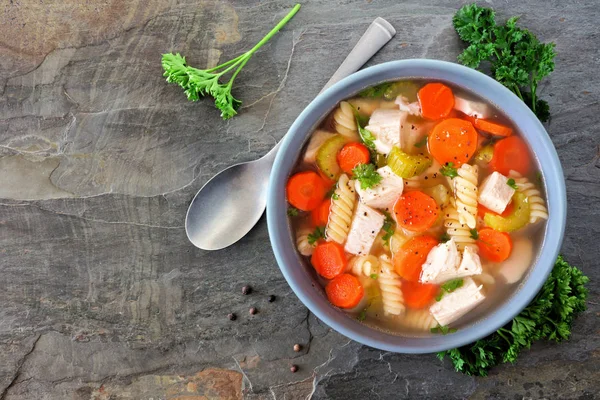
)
(201, 82)
(449, 287)
(318, 233)
(518, 59)
(389, 227)
(449, 170)
(511, 182)
(548, 317)
(367, 175)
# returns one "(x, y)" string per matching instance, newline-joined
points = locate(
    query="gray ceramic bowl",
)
(301, 277)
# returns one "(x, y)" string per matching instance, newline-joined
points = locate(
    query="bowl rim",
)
(533, 132)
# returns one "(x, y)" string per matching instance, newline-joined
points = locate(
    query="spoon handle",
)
(375, 37)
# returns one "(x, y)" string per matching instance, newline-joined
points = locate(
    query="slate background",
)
(101, 294)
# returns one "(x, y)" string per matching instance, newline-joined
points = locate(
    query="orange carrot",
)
(411, 256)
(436, 100)
(416, 211)
(320, 215)
(453, 140)
(305, 190)
(351, 155)
(345, 291)
(482, 210)
(493, 245)
(418, 295)
(493, 127)
(329, 259)
(511, 153)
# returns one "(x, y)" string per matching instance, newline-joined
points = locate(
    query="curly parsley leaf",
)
(517, 58)
(474, 234)
(373, 276)
(389, 227)
(445, 238)
(449, 170)
(292, 212)
(318, 233)
(548, 317)
(449, 287)
(367, 175)
(375, 91)
(444, 330)
(511, 182)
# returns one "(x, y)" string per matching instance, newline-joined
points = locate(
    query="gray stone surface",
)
(102, 296)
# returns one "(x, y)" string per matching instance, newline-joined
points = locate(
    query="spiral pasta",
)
(418, 320)
(537, 206)
(459, 232)
(390, 287)
(344, 121)
(340, 215)
(305, 248)
(465, 191)
(364, 265)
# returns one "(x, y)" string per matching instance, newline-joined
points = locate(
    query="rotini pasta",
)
(342, 206)
(465, 191)
(344, 121)
(418, 320)
(364, 265)
(459, 232)
(537, 207)
(305, 248)
(390, 286)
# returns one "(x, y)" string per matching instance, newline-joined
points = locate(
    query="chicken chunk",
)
(470, 264)
(385, 193)
(386, 126)
(472, 108)
(365, 226)
(456, 304)
(442, 263)
(412, 108)
(494, 192)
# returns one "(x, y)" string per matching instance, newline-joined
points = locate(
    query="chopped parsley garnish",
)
(362, 315)
(318, 233)
(444, 238)
(292, 211)
(389, 227)
(421, 142)
(517, 58)
(335, 196)
(449, 287)
(367, 175)
(373, 276)
(449, 170)
(474, 234)
(511, 182)
(375, 91)
(444, 330)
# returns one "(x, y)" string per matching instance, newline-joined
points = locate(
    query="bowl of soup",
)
(416, 206)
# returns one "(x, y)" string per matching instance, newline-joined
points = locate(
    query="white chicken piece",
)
(456, 304)
(519, 261)
(442, 263)
(494, 192)
(470, 264)
(316, 140)
(385, 193)
(386, 126)
(412, 108)
(472, 108)
(365, 226)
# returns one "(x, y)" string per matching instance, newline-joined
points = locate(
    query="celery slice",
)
(327, 156)
(406, 165)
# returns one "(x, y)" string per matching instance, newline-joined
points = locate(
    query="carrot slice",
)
(493, 245)
(329, 259)
(320, 215)
(436, 100)
(482, 210)
(493, 127)
(351, 155)
(418, 295)
(345, 291)
(416, 211)
(511, 153)
(305, 190)
(411, 256)
(453, 140)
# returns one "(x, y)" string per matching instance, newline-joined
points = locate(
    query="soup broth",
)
(418, 205)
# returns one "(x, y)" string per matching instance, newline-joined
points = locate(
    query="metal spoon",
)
(231, 203)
